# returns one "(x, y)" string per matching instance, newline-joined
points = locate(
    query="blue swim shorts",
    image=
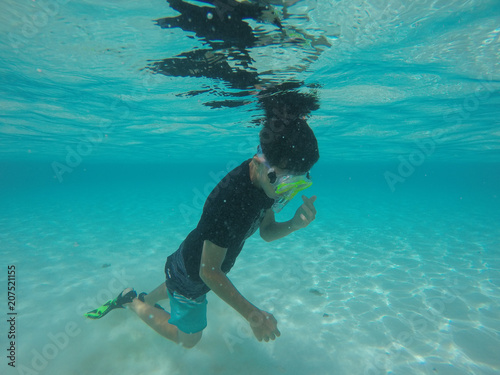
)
(189, 315)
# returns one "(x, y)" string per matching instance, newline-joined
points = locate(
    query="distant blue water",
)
(403, 281)
(104, 168)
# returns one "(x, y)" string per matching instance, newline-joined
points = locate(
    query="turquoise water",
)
(105, 164)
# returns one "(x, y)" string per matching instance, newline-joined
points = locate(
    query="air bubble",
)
(210, 15)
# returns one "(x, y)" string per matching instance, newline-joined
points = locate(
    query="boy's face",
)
(263, 178)
(270, 177)
(279, 184)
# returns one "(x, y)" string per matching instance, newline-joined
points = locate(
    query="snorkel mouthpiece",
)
(288, 189)
(286, 186)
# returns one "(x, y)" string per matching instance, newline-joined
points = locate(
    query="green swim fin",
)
(103, 310)
(112, 304)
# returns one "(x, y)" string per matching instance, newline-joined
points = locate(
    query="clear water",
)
(399, 274)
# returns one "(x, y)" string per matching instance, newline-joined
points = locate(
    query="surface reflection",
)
(229, 32)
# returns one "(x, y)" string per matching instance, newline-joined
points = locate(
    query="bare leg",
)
(158, 319)
(159, 294)
(155, 318)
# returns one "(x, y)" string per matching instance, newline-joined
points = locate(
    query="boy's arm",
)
(263, 324)
(212, 275)
(271, 230)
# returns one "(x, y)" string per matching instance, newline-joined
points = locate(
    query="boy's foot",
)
(126, 296)
(141, 297)
(123, 298)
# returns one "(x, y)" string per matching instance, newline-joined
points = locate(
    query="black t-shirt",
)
(232, 212)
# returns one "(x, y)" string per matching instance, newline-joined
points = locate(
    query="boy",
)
(245, 200)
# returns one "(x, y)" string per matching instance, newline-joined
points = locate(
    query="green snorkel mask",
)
(286, 186)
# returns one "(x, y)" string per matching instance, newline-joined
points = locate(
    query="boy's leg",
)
(158, 320)
(155, 318)
(189, 340)
(159, 294)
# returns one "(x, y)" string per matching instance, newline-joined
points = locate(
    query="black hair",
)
(288, 100)
(289, 145)
(286, 139)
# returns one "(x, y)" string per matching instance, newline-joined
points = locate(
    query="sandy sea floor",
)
(374, 286)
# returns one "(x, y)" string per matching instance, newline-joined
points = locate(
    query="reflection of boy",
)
(239, 205)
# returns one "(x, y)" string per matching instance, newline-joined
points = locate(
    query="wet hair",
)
(288, 100)
(289, 145)
(286, 139)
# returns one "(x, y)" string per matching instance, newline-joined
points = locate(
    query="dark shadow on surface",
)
(227, 41)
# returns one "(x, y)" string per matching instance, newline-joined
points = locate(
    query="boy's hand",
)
(264, 325)
(305, 213)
